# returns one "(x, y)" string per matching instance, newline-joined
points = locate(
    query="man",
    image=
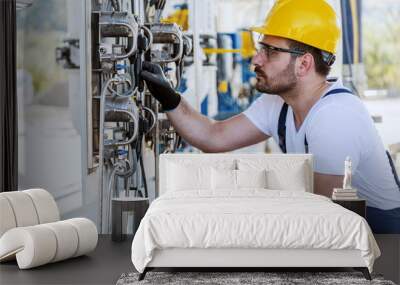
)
(308, 113)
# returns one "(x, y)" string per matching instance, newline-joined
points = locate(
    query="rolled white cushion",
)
(87, 234)
(67, 240)
(37, 245)
(7, 218)
(23, 208)
(45, 205)
(26, 208)
(33, 246)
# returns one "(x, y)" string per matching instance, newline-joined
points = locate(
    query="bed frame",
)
(249, 259)
(246, 259)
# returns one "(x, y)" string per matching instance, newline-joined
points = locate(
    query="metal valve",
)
(117, 25)
(167, 34)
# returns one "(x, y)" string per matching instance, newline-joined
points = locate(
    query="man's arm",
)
(196, 129)
(324, 183)
(214, 136)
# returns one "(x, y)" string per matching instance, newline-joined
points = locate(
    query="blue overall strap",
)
(282, 132)
(282, 120)
(336, 91)
(393, 167)
(282, 127)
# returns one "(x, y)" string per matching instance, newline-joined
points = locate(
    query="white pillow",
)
(223, 179)
(292, 180)
(184, 177)
(281, 173)
(227, 179)
(251, 178)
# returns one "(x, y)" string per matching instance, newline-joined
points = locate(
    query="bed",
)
(245, 211)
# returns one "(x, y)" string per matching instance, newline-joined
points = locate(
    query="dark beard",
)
(283, 82)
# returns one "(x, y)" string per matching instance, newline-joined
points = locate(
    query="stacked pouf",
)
(32, 233)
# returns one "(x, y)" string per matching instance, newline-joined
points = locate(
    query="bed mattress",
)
(250, 219)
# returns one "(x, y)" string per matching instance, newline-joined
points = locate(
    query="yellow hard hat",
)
(312, 22)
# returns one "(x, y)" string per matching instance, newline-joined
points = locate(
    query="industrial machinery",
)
(124, 119)
(124, 127)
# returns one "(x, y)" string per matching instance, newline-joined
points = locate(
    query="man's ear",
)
(304, 64)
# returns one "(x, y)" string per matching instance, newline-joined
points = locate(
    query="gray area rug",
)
(229, 278)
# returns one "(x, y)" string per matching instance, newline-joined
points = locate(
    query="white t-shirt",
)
(336, 126)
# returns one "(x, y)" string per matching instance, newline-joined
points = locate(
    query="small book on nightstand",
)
(344, 194)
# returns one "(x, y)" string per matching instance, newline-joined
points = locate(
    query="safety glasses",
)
(268, 50)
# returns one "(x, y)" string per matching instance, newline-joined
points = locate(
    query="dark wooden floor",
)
(102, 266)
(110, 259)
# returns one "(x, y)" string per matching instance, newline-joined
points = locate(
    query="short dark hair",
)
(321, 67)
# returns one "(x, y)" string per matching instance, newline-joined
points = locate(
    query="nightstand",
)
(358, 206)
(136, 205)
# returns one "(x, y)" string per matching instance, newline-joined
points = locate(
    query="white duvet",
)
(252, 218)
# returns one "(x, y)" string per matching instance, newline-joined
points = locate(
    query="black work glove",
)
(159, 86)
